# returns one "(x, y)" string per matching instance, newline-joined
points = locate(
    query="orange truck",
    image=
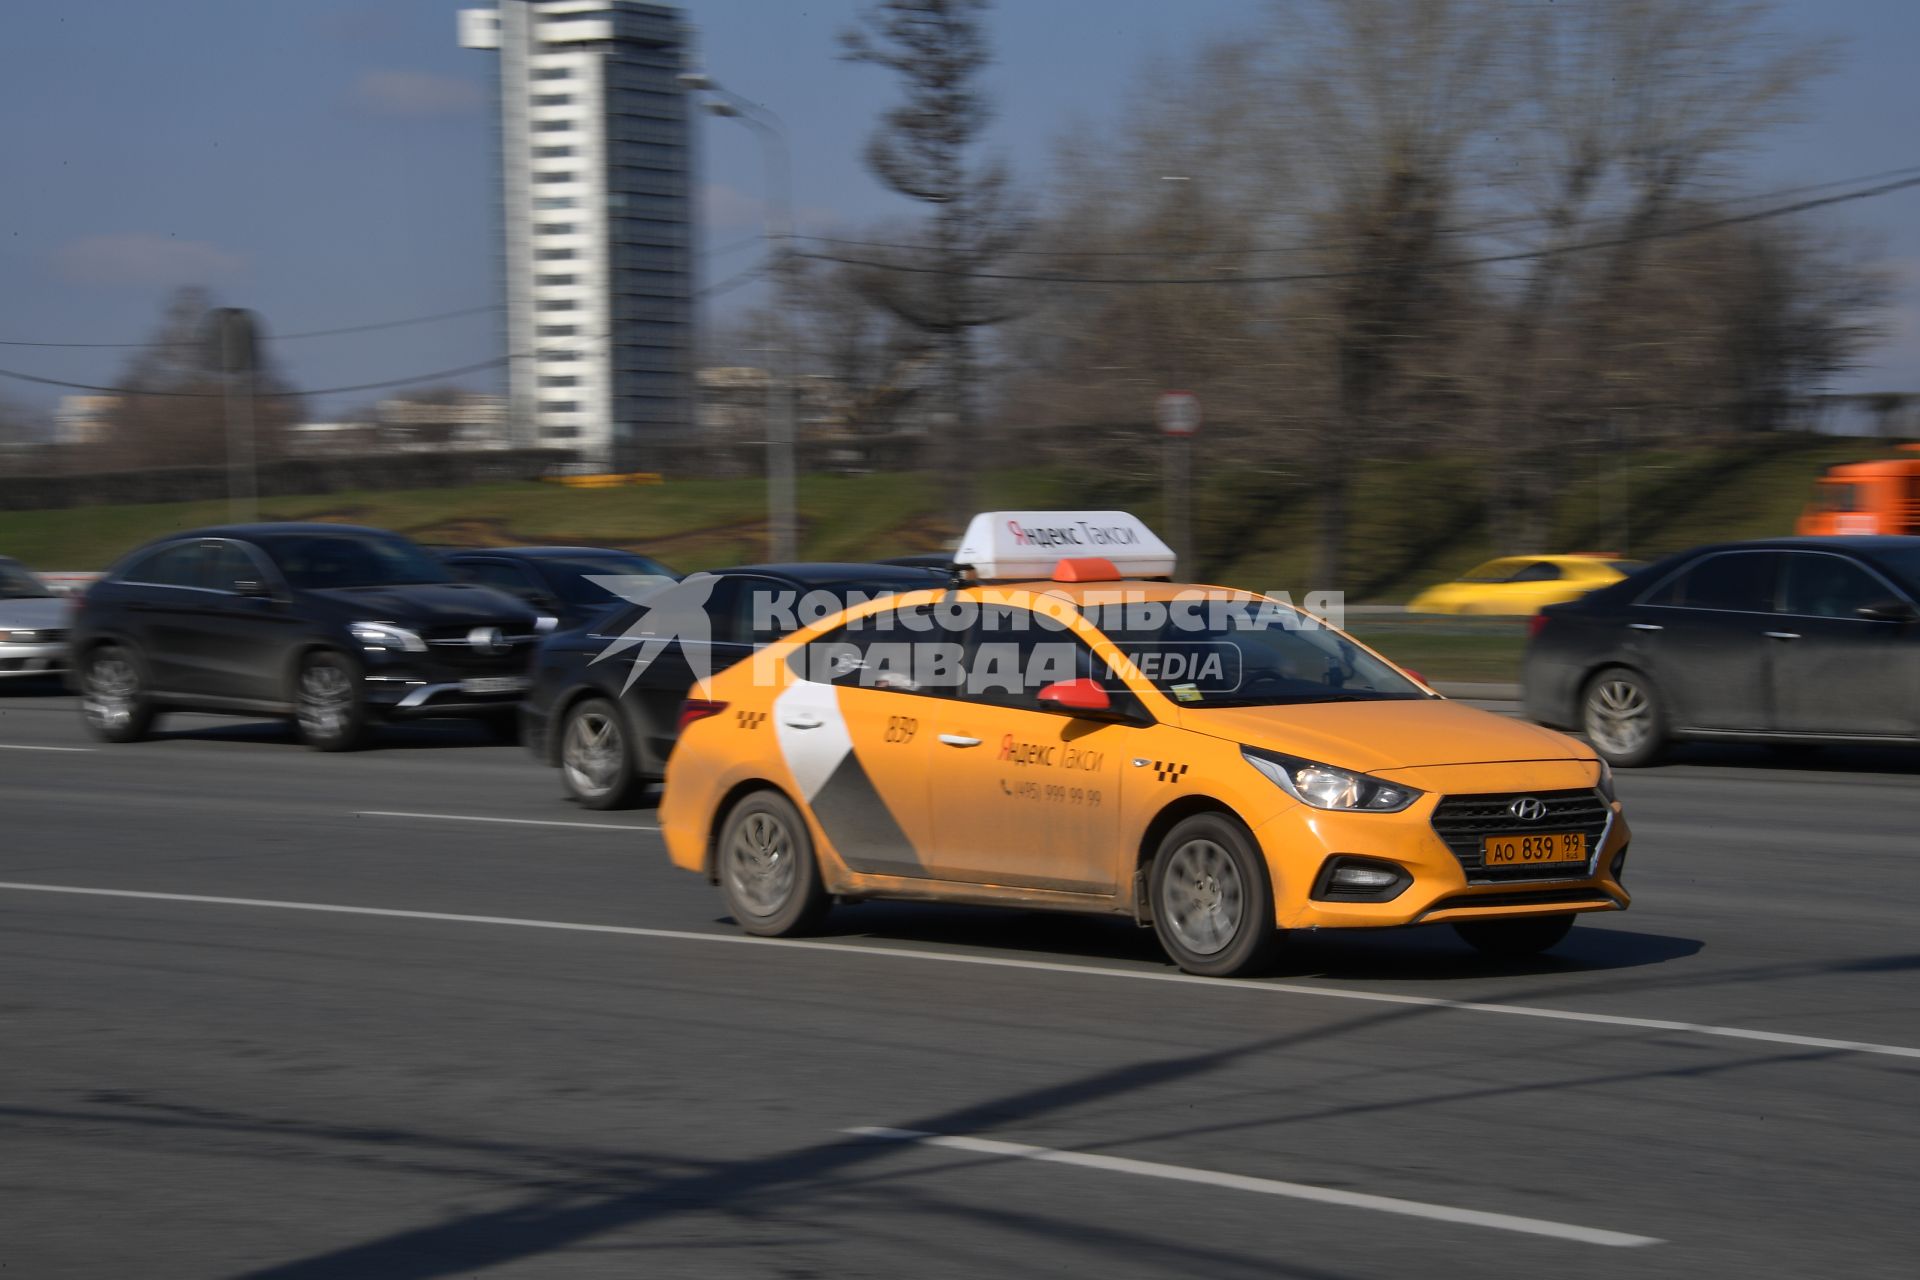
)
(1867, 497)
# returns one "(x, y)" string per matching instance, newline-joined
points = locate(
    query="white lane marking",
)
(13, 746)
(1265, 1186)
(510, 822)
(1003, 962)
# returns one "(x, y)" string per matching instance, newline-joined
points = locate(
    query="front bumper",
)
(411, 687)
(37, 659)
(1299, 842)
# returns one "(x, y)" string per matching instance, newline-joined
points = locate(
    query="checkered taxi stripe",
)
(1169, 771)
(750, 719)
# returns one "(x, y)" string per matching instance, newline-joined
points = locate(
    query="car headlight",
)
(385, 635)
(1324, 787)
(1606, 782)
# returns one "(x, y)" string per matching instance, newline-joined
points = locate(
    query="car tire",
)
(1622, 716)
(767, 870)
(1211, 899)
(329, 711)
(596, 756)
(114, 703)
(1514, 939)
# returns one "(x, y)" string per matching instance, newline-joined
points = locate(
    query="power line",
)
(1303, 247)
(273, 337)
(495, 363)
(728, 285)
(1586, 246)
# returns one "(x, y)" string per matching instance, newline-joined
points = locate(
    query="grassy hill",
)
(1414, 522)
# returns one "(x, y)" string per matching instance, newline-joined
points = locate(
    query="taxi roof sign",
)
(1011, 546)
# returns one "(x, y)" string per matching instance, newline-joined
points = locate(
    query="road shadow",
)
(411, 735)
(37, 686)
(1420, 953)
(1788, 758)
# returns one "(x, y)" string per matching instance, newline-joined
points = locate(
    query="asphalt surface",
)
(201, 1088)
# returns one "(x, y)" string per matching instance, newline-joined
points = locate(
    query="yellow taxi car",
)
(1522, 584)
(1067, 729)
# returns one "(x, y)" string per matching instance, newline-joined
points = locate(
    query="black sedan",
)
(606, 698)
(1803, 640)
(573, 584)
(332, 626)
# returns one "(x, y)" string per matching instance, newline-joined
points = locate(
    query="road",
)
(528, 1050)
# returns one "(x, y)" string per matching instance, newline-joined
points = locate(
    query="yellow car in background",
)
(1520, 585)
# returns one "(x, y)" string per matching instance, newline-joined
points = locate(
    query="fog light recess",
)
(1345, 878)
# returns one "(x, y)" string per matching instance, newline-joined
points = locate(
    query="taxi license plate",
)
(1531, 851)
(494, 684)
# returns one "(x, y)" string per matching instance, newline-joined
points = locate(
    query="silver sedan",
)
(33, 624)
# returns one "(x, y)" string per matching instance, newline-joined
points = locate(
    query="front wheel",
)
(113, 697)
(1621, 715)
(328, 708)
(1212, 903)
(596, 761)
(766, 868)
(1514, 939)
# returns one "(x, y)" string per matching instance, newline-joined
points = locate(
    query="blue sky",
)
(329, 162)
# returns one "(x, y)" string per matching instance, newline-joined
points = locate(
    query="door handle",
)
(957, 740)
(1645, 626)
(1781, 635)
(802, 722)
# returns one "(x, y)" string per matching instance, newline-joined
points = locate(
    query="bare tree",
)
(925, 149)
(171, 410)
(1623, 108)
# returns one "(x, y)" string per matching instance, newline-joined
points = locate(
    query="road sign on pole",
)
(1178, 413)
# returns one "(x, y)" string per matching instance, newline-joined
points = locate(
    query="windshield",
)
(1255, 653)
(1492, 571)
(17, 584)
(571, 577)
(325, 561)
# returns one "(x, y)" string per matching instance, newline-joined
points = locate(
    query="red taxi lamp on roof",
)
(1085, 569)
(1025, 546)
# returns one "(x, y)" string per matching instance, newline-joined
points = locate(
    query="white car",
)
(33, 624)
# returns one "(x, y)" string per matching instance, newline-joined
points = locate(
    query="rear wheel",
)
(1212, 903)
(767, 870)
(328, 708)
(596, 762)
(113, 696)
(1622, 716)
(1514, 939)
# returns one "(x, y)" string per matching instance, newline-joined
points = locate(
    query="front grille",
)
(1461, 822)
(451, 646)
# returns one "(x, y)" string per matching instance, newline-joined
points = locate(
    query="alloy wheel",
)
(1619, 716)
(591, 754)
(326, 701)
(111, 687)
(761, 867)
(1204, 897)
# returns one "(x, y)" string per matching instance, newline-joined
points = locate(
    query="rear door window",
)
(1728, 581)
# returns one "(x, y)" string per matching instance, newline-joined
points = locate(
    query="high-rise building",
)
(595, 170)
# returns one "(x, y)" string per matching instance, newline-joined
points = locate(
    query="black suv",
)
(606, 698)
(332, 625)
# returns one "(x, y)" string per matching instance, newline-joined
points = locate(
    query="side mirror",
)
(1888, 610)
(1080, 695)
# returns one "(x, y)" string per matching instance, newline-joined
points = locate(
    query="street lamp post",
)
(777, 226)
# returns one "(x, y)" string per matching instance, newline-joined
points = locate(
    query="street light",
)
(777, 226)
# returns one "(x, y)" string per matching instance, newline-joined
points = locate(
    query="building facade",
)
(595, 160)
